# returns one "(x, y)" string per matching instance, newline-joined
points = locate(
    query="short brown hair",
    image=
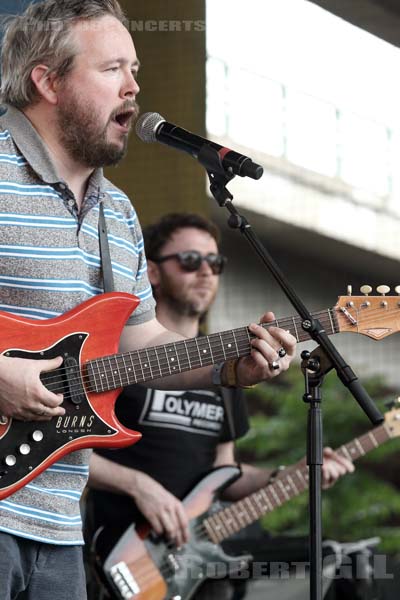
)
(159, 233)
(42, 34)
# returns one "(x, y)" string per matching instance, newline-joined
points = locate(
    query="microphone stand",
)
(313, 366)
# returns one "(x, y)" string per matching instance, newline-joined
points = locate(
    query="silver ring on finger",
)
(274, 365)
(282, 352)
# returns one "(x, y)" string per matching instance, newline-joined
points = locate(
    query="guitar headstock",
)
(374, 316)
(392, 420)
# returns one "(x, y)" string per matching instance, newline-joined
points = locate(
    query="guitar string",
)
(157, 364)
(244, 334)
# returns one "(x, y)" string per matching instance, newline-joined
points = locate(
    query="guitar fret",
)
(346, 452)
(373, 439)
(251, 508)
(131, 370)
(158, 362)
(292, 484)
(267, 499)
(187, 353)
(283, 488)
(295, 329)
(219, 526)
(222, 345)
(236, 346)
(125, 368)
(211, 352)
(244, 513)
(90, 367)
(331, 321)
(141, 366)
(149, 361)
(104, 376)
(302, 476)
(198, 351)
(229, 521)
(361, 449)
(172, 358)
(230, 345)
(212, 534)
(258, 497)
(271, 489)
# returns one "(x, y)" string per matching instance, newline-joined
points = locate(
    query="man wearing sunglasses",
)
(185, 433)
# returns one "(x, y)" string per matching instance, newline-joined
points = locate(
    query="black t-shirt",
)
(181, 430)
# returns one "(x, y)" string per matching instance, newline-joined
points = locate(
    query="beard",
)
(185, 302)
(84, 138)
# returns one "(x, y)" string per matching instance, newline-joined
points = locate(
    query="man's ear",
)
(153, 272)
(46, 83)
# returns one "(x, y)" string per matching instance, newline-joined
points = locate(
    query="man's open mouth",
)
(124, 118)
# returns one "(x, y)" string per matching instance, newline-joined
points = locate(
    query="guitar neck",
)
(238, 515)
(120, 370)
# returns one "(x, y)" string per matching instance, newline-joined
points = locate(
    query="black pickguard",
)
(79, 420)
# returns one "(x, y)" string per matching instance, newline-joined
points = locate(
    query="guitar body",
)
(145, 567)
(90, 330)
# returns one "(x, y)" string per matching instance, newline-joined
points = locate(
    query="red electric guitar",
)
(90, 384)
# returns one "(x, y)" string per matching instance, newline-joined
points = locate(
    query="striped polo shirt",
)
(50, 263)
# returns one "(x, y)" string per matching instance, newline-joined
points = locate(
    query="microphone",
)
(152, 127)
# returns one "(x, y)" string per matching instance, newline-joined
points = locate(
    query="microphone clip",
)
(218, 175)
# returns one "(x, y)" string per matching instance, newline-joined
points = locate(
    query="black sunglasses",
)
(191, 261)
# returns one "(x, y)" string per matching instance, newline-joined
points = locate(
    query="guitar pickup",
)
(74, 382)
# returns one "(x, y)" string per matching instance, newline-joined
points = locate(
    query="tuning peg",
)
(349, 290)
(366, 289)
(383, 289)
(397, 289)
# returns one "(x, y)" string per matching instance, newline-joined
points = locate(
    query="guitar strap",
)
(228, 397)
(108, 278)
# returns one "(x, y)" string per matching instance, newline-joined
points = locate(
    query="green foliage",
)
(361, 505)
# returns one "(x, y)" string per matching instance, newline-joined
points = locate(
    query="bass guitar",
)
(146, 567)
(92, 375)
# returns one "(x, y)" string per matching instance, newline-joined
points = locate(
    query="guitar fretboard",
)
(238, 515)
(116, 371)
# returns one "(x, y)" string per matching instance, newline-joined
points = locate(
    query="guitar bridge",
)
(124, 581)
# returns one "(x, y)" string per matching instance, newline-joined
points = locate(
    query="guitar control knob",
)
(37, 435)
(10, 460)
(383, 289)
(365, 289)
(24, 449)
